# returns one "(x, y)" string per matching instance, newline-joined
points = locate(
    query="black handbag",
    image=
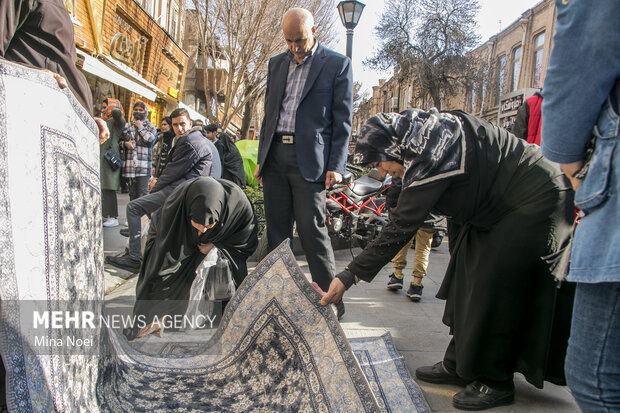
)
(113, 159)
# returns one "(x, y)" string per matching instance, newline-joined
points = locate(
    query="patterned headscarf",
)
(430, 145)
(112, 103)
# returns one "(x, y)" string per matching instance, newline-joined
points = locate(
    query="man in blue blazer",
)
(304, 140)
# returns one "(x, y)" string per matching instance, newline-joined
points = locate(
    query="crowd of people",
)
(511, 303)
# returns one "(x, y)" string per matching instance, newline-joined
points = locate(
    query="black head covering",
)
(430, 145)
(172, 256)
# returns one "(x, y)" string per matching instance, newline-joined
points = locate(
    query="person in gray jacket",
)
(191, 156)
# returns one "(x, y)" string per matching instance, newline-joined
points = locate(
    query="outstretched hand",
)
(334, 294)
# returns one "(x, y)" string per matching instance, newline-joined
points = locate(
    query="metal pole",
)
(349, 43)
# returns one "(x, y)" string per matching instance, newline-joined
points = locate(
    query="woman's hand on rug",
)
(205, 248)
(334, 294)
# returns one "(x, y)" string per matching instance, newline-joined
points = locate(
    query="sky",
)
(492, 12)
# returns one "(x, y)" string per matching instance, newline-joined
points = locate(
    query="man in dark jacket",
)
(191, 156)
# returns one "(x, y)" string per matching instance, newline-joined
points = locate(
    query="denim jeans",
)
(138, 186)
(593, 355)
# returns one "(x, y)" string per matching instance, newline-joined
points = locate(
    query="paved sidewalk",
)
(371, 310)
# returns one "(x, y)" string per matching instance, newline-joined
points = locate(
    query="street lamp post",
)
(350, 12)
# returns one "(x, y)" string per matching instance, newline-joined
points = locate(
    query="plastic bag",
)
(198, 304)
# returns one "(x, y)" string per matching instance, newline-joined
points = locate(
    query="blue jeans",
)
(138, 186)
(593, 355)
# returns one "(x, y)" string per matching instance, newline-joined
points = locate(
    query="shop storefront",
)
(127, 55)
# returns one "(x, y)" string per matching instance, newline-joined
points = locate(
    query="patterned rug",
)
(275, 349)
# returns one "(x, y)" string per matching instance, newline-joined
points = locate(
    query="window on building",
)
(516, 67)
(163, 13)
(501, 74)
(483, 83)
(148, 6)
(472, 101)
(174, 21)
(539, 47)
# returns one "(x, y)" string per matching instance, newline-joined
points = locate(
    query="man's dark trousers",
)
(136, 209)
(289, 197)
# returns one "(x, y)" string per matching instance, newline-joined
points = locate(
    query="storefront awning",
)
(195, 115)
(100, 69)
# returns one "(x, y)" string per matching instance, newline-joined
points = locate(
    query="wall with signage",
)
(132, 37)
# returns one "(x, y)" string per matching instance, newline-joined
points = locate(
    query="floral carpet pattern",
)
(275, 349)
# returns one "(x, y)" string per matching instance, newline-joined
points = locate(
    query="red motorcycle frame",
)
(356, 210)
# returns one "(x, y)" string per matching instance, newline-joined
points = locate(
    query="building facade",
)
(512, 67)
(130, 50)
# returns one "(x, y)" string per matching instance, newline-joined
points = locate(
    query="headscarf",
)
(172, 256)
(142, 104)
(430, 145)
(112, 104)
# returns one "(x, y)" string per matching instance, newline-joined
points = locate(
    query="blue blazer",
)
(323, 118)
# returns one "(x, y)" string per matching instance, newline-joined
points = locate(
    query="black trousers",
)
(288, 198)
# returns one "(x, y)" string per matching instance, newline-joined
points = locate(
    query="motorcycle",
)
(356, 209)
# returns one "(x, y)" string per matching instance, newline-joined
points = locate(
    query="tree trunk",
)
(435, 95)
(248, 111)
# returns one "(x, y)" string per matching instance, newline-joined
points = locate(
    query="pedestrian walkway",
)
(371, 310)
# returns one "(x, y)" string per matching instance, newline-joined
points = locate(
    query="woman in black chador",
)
(508, 207)
(199, 214)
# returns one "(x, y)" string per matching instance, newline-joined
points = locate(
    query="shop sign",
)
(173, 92)
(129, 52)
(511, 104)
(165, 72)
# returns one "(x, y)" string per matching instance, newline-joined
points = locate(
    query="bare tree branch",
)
(428, 39)
(237, 38)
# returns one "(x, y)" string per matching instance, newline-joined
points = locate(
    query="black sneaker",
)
(395, 283)
(124, 262)
(415, 292)
(124, 232)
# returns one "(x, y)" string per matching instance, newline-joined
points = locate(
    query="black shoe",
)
(479, 396)
(339, 309)
(124, 232)
(124, 262)
(438, 374)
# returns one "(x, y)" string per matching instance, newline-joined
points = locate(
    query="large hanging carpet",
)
(275, 349)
